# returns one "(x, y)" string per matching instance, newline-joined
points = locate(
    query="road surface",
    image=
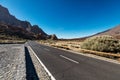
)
(65, 65)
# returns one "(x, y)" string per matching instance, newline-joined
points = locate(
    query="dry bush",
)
(102, 43)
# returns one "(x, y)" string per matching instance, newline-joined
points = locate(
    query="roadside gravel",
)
(12, 62)
(42, 74)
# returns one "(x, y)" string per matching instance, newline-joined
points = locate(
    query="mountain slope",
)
(10, 32)
(115, 32)
(23, 28)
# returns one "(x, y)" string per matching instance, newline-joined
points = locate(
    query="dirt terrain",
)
(12, 62)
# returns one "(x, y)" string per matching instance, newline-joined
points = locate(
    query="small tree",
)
(102, 43)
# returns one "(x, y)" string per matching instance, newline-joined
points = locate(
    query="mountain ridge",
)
(115, 32)
(11, 21)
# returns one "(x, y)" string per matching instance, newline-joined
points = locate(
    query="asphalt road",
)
(70, 66)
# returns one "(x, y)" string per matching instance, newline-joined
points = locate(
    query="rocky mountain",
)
(10, 32)
(22, 29)
(53, 37)
(115, 32)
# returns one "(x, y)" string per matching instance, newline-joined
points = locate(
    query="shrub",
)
(102, 43)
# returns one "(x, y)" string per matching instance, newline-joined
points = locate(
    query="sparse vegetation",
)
(11, 39)
(76, 46)
(102, 44)
(62, 44)
(103, 54)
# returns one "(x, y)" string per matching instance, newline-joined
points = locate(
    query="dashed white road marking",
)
(69, 59)
(46, 49)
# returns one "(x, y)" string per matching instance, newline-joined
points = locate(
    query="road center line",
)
(69, 59)
(46, 49)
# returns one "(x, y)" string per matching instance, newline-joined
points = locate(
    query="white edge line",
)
(52, 78)
(69, 59)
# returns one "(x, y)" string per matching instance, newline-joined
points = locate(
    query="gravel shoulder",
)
(17, 62)
(12, 62)
(41, 73)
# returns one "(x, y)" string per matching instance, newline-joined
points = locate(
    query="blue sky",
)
(67, 18)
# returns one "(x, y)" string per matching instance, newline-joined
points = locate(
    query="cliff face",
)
(8, 19)
(23, 27)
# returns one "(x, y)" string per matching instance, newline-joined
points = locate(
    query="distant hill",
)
(10, 25)
(115, 32)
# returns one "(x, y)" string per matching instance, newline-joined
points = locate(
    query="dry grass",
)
(104, 54)
(75, 46)
(64, 44)
(7, 39)
(12, 41)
